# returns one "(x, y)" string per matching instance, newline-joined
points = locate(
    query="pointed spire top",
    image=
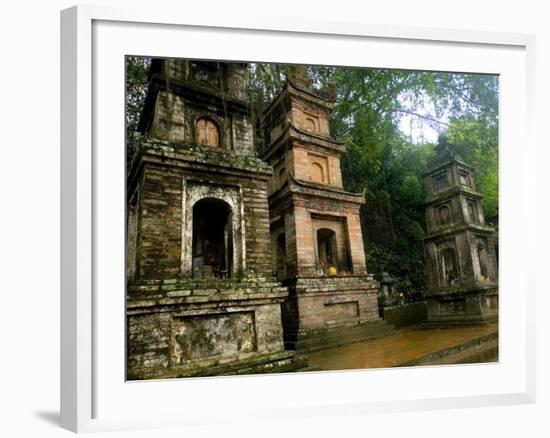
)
(298, 74)
(442, 143)
(445, 152)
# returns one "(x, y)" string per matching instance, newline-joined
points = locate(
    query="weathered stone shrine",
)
(316, 235)
(460, 249)
(201, 297)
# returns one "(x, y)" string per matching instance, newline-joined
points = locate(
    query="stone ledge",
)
(193, 155)
(465, 289)
(343, 282)
(458, 228)
(250, 363)
(220, 299)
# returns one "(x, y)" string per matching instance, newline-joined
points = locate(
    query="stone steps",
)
(457, 323)
(204, 287)
(478, 350)
(296, 363)
(279, 362)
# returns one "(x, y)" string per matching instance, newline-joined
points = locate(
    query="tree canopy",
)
(373, 109)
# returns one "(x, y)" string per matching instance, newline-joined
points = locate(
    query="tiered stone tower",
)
(316, 233)
(460, 248)
(201, 298)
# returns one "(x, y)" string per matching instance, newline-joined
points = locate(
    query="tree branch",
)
(422, 116)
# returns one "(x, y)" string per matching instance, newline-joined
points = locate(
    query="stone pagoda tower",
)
(460, 249)
(201, 298)
(316, 233)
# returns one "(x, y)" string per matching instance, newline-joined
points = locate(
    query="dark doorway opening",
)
(327, 250)
(212, 239)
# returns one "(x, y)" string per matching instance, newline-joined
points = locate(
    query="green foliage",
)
(477, 142)
(137, 69)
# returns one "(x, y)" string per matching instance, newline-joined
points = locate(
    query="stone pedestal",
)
(183, 328)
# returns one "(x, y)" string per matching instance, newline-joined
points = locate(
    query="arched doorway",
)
(326, 247)
(212, 239)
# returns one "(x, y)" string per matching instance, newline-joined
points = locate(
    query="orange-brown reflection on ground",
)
(408, 344)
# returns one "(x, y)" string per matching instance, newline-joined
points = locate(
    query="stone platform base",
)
(323, 312)
(313, 340)
(191, 328)
(462, 307)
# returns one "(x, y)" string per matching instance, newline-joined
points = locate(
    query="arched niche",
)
(310, 124)
(472, 212)
(317, 173)
(483, 258)
(444, 215)
(449, 267)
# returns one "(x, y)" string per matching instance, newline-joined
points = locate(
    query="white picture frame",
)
(92, 392)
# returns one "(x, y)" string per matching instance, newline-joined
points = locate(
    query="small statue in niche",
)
(444, 215)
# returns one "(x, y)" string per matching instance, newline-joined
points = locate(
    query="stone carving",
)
(201, 337)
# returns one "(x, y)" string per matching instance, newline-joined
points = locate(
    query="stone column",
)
(305, 245)
(355, 238)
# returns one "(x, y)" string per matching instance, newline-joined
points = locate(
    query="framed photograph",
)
(291, 218)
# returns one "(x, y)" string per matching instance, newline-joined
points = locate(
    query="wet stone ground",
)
(408, 344)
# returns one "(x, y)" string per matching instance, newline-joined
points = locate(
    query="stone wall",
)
(148, 346)
(159, 226)
(317, 295)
